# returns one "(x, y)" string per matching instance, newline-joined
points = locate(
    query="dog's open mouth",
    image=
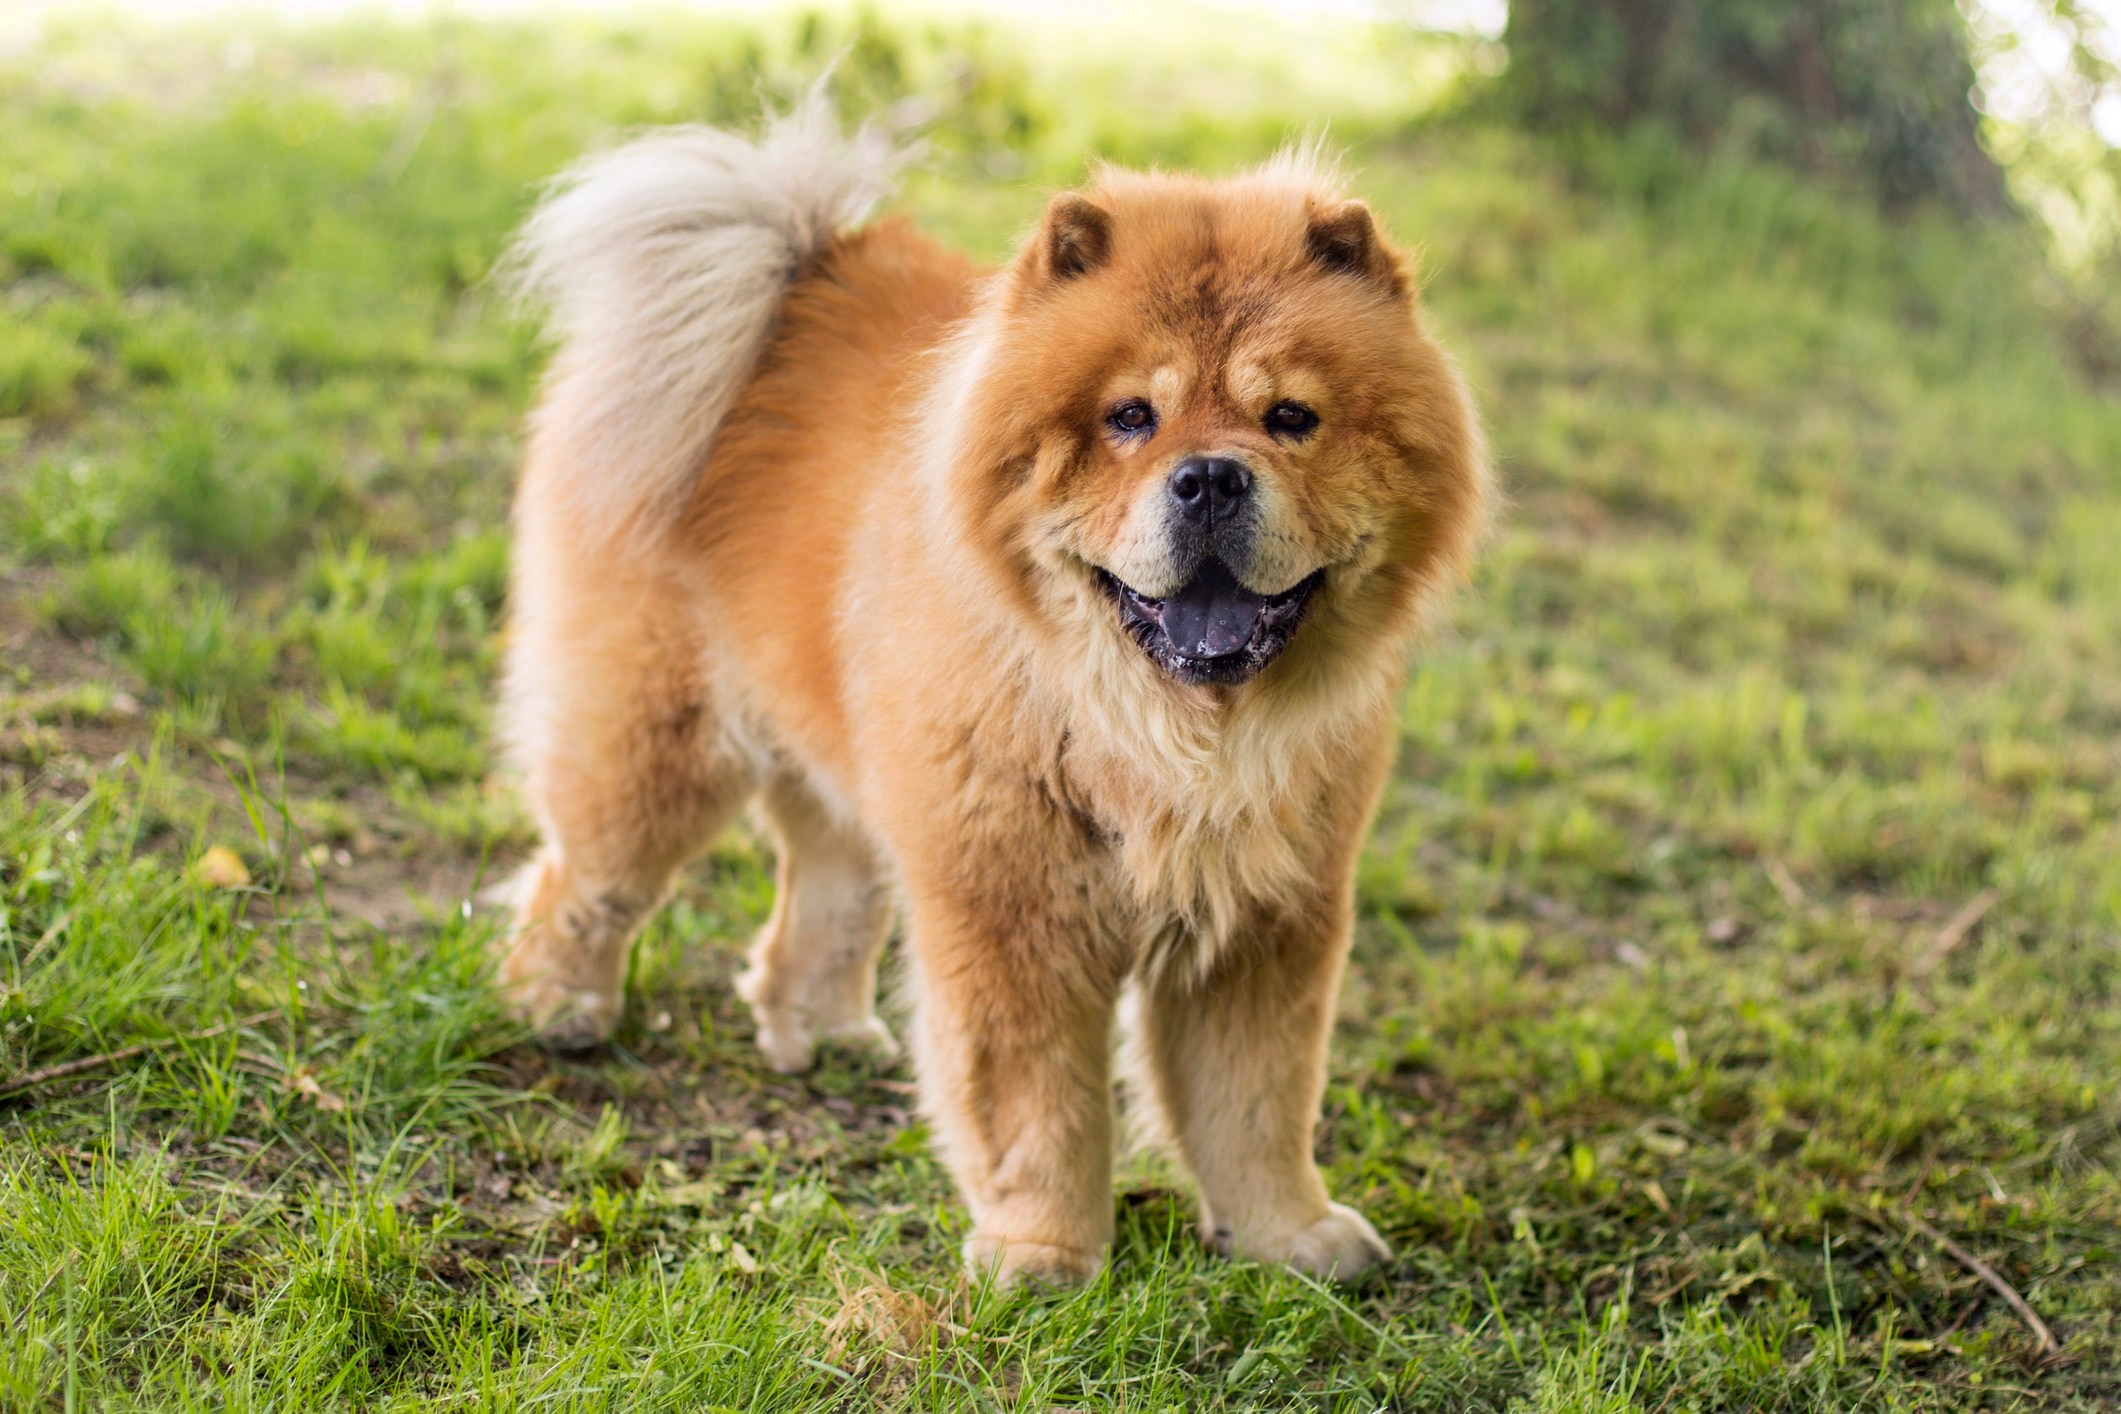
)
(1213, 630)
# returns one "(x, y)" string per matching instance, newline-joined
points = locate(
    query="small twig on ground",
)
(31, 1078)
(1922, 1176)
(1554, 911)
(1954, 932)
(1785, 883)
(66, 916)
(419, 117)
(2050, 1348)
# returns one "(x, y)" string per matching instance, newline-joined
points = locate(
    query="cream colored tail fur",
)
(661, 266)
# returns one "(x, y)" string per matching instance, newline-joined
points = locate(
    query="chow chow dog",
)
(1059, 610)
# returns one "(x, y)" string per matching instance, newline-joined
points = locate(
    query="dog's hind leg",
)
(626, 769)
(813, 969)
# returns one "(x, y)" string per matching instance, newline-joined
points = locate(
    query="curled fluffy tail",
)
(661, 266)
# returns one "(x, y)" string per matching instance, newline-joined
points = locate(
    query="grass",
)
(1748, 899)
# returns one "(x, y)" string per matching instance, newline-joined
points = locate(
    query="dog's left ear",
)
(1342, 236)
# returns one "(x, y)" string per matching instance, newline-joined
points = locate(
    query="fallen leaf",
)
(305, 1083)
(700, 1193)
(743, 1260)
(222, 868)
(900, 1321)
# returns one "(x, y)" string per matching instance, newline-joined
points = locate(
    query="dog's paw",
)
(1039, 1263)
(790, 1043)
(867, 1036)
(563, 1018)
(1340, 1246)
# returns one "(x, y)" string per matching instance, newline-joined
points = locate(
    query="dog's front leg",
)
(1014, 1045)
(1237, 1055)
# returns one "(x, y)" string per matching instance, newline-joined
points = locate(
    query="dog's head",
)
(1209, 407)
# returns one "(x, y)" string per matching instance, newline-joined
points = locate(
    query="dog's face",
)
(1212, 408)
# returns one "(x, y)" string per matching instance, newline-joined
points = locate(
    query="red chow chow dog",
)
(1060, 610)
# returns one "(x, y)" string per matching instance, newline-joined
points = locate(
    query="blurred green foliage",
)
(2061, 168)
(1877, 90)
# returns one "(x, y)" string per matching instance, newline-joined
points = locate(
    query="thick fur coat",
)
(1060, 609)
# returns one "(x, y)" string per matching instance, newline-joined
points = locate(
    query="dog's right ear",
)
(1074, 237)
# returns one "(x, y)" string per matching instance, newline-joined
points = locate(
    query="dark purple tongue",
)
(1213, 616)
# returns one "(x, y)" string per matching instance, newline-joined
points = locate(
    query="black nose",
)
(1209, 489)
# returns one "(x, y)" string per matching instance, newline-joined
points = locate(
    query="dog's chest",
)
(1198, 861)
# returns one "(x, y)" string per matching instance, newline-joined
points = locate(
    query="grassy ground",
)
(1740, 955)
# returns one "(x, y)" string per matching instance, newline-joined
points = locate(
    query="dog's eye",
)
(1290, 419)
(1132, 418)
